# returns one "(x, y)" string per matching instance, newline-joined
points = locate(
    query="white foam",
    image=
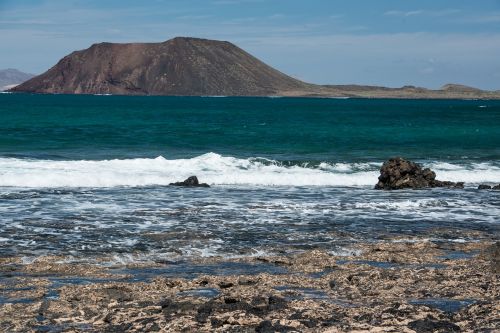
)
(405, 205)
(213, 169)
(471, 173)
(346, 252)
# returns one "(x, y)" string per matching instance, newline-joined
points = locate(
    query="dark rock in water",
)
(429, 325)
(496, 187)
(457, 184)
(484, 187)
(398, 173)
(190, 182)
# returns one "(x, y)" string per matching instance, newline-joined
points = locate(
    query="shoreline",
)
(387, 285)
(435, 97)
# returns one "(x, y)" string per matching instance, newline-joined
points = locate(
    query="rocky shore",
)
(396, 285)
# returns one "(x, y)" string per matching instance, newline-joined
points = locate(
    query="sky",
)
(384, 42)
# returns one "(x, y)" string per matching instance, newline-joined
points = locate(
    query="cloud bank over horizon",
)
(386, 43)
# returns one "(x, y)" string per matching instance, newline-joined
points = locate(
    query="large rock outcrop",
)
(398, 173)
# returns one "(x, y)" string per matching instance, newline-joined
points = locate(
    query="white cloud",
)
(404, 13)
(421, 12)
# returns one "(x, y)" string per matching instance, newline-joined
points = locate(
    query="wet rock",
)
(171, 308)
(190, 182)
(246, 282)
(231, 300)
(484, 187)
(225, 285)
(304, 319)
(493, 255)
(398, 173)
(267, 326)
(118, 294)
(496, 187)
(276, 302)
(364, 298)
(430, 325)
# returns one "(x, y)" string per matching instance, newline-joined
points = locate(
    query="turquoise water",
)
(88, 176)
(285, 129)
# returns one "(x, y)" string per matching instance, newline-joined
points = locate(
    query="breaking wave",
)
(216, 170)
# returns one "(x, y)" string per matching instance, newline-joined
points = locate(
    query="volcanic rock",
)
(398, 173)
(190, 182)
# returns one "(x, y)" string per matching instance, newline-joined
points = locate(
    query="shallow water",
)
(163, 223)
(444, 304)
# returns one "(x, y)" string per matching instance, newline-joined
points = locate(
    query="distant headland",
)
(186, 66)
(9, 78)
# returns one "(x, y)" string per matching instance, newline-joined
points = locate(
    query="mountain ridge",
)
(11, 76)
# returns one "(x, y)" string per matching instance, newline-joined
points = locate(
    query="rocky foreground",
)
(388, 286)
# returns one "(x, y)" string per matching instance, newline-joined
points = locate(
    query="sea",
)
(87, 177)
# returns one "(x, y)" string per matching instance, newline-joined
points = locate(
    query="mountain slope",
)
(180, 66)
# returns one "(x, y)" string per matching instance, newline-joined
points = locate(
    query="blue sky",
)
(383, 42)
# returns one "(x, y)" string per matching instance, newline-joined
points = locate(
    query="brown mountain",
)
(180, 66)
(199, 67)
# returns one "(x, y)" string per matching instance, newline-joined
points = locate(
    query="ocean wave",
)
(214, 169)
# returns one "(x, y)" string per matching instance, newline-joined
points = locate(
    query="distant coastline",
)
(199, 67)
(398, 93)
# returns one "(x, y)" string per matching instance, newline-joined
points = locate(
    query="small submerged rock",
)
(190, 182)
(398, 173)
